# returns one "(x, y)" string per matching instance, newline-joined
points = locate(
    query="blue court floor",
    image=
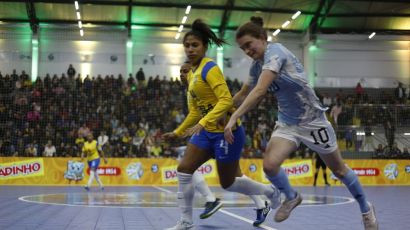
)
(152, 207)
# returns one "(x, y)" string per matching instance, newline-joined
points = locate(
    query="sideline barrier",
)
(154, 171)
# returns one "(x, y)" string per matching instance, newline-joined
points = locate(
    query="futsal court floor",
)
(153, 207)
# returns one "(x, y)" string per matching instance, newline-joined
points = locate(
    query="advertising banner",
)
(22, 169)
(157, 171)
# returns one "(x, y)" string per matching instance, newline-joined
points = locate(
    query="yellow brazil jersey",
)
(91, 150)
(209, 98)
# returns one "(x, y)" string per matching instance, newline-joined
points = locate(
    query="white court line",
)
(245, 220)
(225, 212)
(162, 189)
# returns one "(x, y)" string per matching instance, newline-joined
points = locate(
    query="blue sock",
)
(281, 182)
(352, 183)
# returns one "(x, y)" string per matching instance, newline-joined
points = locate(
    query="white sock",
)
(247, 186)
(200, 185)
(259, 203)
(97, 178)
(90, 180)
(185, 196)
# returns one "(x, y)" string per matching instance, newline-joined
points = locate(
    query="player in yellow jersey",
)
(262, 208)
(93, 152)
(209, 101)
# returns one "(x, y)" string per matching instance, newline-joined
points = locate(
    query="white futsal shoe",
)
(182, 225)
(370, 220)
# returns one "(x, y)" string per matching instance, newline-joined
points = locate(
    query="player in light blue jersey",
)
(301, 118)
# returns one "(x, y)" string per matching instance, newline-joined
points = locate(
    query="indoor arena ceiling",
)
(317, 16)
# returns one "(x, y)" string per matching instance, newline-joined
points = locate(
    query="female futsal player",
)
(301, 118)
(198, 181)
(209, 100)
(93, 152)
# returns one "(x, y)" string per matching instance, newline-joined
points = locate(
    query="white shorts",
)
(318, 135)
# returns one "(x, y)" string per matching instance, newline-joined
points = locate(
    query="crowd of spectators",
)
(354, 116)
(53, 115)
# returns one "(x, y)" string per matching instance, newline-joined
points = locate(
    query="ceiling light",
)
(269, 38)
(81, 33)
(78, 15)
(276, 32)
(80, 24)
(129, 44)
(181, 27)
(76, 5)
(188, 8)
(184, 19)
(177, 36)
(372, 35)
(296, 15)
(285, 24)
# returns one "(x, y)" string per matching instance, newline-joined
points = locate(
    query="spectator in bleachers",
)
(102, 140)
(359, 92)
(379, 152)
(368, 138)
(389, 126)
(349, 138)
(20, 148)
(137, 140)
(400, 94)
(83, 131)
(71, 71)
(31, 151)
(336, 111)
(358, 137)
(327, 100)
(140, 77)
(155, 150)
(14, 76)
(126, 142)
(49, 150)
(395, 152)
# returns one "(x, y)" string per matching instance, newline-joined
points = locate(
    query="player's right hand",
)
(169, 136)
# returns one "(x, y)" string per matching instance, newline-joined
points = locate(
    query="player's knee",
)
(226, 183)
(183, 168)
(271, 168)
(339, 173)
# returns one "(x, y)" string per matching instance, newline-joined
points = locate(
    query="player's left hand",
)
(194, 130)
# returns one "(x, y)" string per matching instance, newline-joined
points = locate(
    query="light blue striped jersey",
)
(297, 102)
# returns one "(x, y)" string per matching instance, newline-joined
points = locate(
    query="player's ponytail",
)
(201, 30)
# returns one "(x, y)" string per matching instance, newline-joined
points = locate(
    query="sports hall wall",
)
(331, 61)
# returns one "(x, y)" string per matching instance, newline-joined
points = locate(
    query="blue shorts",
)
(94, 163)
(216, 144)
